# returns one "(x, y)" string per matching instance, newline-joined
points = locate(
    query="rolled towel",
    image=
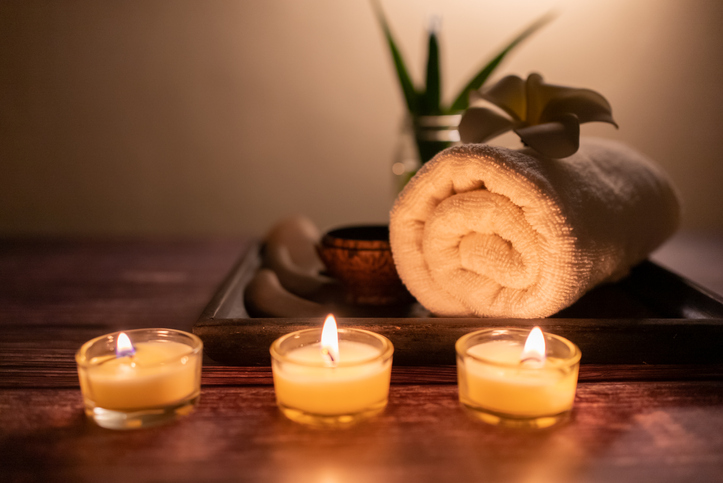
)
(492, 232)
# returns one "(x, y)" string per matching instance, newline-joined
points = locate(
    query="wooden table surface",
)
(630, 423)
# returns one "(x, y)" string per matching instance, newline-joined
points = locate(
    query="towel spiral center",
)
(481, 233)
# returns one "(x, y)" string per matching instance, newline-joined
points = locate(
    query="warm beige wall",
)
(189, 117)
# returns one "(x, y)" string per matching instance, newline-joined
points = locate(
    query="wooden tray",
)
(651, 317)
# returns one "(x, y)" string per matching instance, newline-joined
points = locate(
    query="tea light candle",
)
(334, 378)
(510, 377)
(140, 377)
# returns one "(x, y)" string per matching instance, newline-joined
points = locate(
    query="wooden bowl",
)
(360, 257)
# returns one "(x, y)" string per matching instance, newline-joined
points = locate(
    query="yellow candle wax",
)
(517, 377)
(496, 380)
(158, 374)
(307, 382)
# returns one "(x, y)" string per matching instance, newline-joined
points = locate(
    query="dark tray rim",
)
(693, 337)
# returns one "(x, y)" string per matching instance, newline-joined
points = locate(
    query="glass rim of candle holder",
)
(80, 355)
(276, 352)
(465, 342)
(141, 416)
(566, 357)
(326, 418)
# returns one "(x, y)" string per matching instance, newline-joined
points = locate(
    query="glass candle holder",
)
(311, 390)
(498, 388)
(159, 382)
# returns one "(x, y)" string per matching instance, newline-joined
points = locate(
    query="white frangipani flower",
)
(546, 117)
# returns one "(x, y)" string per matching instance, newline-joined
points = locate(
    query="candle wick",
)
(328, 354)
(127, 353)
(532, 361)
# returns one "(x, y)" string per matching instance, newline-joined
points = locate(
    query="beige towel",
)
(488, 231)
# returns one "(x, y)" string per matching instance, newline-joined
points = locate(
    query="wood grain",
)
(431, 341)
(644, 431)
(632, 422)
(61, 372)
(110, 285)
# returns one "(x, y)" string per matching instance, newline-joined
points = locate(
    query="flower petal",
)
(539, 94)
(587, 105)
(557, 139)
(508, 94)
(479, 124)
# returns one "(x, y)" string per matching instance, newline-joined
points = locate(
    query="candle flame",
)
(330, 340)
(124, 347)
(534, 347)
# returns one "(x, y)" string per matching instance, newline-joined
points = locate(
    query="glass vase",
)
(421, 138)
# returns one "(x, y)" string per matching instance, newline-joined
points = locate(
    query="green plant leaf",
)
(462, 101)
(430, 100)
(410, 94)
